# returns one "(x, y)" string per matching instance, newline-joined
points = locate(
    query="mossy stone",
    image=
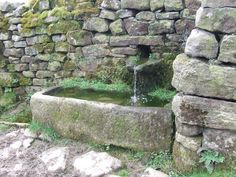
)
(62, 27)
(8, 99)
(24, 81)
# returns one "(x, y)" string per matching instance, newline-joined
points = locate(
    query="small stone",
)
(192, 143)
(28, 74)
(125, 13)
(55, 158)
(136, 28)
(95, 164)
(174, 5)
(96, 24)
(117, 27)
(28, 133)
(16, 145)
(228, 49)
(40, 82)
(79, 38)
(150, 172)
(156, 4)
(44, 74)
(97, 50)
(20, 44)
(27, 142)
(8, 44)
(31, 51)
(100, 38)
(202, 44)
(21, 67)
(13, 52)
(4, 36)
(145, 16)
(135, 4)
(111, 4)
(61, 47)
(17, 38)
(54, 66)
(124, 51)
(26, 59)
(58, 38)
(161, 27)
(108, 14)
(167, 15)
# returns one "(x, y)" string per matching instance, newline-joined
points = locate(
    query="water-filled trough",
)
(108, 120)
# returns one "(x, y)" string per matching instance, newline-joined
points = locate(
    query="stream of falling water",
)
(134, 98)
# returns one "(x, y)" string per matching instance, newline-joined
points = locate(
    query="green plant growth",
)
(4, 128)
(210, 158)
(123, 173)
(49, 132)
(163, 94)
(93, 84)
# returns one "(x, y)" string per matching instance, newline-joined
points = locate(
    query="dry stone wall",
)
(52, 40)
(205, 108)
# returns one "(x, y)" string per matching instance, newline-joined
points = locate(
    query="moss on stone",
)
(63, 26)
(31, 20)
(24, 81)
(4, 25)
(7, 99)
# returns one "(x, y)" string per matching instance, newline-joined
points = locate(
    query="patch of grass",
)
(163, 94)
(49, 132)
(4, 128)
(218, 173)
(93, 84)
(123, 173)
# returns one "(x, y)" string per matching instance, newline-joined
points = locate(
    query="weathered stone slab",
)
(228, 49)
(197, 77)
(124, 51)
(96, 24)
(94, 164)
(135, 4)
(125, 13)
(79, 38)
(202, 44)
(100, 38)
(205, 112)
(167, 15)
(13, 52)
(217, 19)
(218, 3)
(220, 140)
(135, 40)
(135, 27)
(191, 143)
(97, 50)
(145, 128)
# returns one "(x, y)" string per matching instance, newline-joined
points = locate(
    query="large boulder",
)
(193, 76)
(96, 24)
(202, 44)
(218, 3)
(135, 4)
(205, 112)
(220, 141)
(217, 19)
(228, 49)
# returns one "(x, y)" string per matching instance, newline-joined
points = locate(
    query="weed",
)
(3, 128)
(159, 161)
(50, 133)
(152, 57)
(123, 173)
(163, 94)
(210, 158)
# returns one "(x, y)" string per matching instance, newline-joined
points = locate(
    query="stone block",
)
(218, 3)
(145, 16)
(108, 14)
(79, 38)
(117, 27)
(156, 4)
(135, 27)
(135, 4)
(97, 50)
(96, 24)
(174, 5)
(111, 4)
(161, 27)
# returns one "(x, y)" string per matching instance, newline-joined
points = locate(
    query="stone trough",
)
(142, 128)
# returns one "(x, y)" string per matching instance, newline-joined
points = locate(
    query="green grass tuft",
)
(97, 85)
(46, 130)
(163, 94)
